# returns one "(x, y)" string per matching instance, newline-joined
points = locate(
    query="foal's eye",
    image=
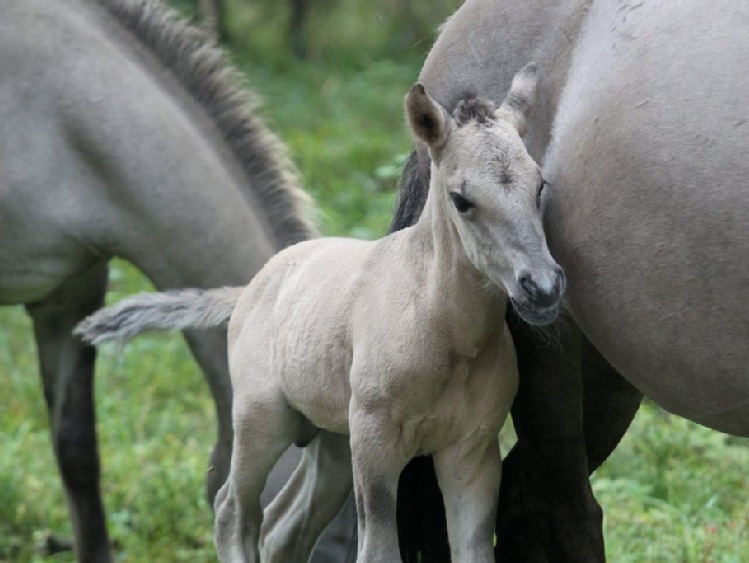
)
(462, 204)
(544, 183)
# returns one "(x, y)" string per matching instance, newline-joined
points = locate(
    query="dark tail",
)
(422, 528)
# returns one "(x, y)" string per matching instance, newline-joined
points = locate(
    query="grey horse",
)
(642, 130)
(125, 134)
(316, 342)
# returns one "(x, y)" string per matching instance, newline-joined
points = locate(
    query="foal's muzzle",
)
(540, 296)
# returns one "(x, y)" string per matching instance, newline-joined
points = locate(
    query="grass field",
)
(672, 491)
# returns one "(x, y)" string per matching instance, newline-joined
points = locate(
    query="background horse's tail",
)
(170, 310)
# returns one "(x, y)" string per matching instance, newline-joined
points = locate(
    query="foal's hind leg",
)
(67, 369)
(264, 427)
(310, 500)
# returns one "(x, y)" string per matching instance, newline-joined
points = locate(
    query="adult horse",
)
(642, 129)
(125, 134)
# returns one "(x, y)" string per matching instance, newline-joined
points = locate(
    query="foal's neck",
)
(454, 284)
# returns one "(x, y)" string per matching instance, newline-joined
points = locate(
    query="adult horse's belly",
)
(649, 212)
(39, 247)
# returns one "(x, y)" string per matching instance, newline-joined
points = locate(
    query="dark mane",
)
(204, 71)
(474, 109)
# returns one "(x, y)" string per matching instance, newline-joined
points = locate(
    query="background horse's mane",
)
(204, 71)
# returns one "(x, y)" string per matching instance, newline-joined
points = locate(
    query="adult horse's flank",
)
(642, 130)
(125, 134)
(316, 341)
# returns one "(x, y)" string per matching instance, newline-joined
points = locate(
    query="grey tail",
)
(167, 311)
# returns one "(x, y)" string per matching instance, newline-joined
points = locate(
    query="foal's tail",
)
(170, 311)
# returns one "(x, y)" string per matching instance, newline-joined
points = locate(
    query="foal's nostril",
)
(528, 285)
(561, 282)
(548, 295)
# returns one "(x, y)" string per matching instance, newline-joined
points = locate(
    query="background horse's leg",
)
(546, 502)
(67, 369)
(209, 349)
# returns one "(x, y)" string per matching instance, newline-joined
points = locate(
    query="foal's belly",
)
(314, 376)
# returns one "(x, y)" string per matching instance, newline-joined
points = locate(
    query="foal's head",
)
(489, 190)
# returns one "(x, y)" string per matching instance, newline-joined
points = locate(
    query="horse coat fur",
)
(641, 128)
(398, 342)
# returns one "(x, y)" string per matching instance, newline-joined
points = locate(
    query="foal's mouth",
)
(538, 316)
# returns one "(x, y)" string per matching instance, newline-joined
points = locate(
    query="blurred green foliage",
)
(672, 492)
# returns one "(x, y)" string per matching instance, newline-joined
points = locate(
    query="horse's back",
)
(292, 327)
(648, 213)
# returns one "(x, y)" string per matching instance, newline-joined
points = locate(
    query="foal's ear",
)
(429, 121)
(520, 98)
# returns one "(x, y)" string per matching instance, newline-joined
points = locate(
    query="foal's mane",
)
(475, 109)
(206, 74)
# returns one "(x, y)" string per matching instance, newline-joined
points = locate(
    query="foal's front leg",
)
(469, 473)
(378, 458)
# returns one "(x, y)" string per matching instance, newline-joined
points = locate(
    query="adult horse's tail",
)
(169, 311)
(422, 529)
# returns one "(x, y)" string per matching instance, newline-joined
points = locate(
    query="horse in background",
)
(126, 134)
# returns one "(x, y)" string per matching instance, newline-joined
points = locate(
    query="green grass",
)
(673, 491)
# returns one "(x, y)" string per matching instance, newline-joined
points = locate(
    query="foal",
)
(400, 343)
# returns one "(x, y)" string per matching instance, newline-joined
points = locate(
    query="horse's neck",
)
(206, 93)
(455, 287)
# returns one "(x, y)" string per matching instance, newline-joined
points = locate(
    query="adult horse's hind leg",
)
(67, 369)
(209, 349)
(312, 497)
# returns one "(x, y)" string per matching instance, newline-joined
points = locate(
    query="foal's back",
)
(294, 323)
